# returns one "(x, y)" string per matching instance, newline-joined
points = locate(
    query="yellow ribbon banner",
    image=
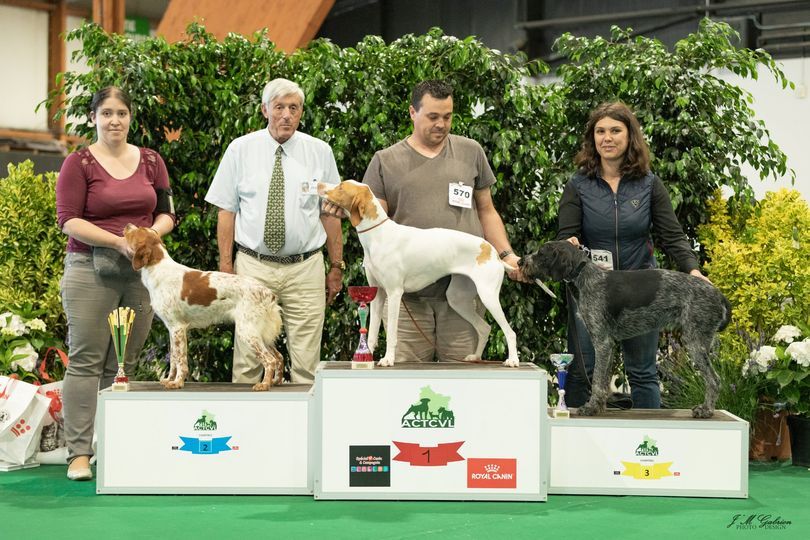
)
(641, 471)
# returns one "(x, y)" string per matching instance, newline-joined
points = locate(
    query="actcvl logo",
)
(492, 473)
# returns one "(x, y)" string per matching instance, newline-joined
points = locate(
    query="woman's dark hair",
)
(108, 92)
(637, 157)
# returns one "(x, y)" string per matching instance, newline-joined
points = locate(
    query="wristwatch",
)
(505, 253)
(338, 264)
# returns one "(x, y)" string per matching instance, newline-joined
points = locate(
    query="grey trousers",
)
(451, 338)
(88, 299)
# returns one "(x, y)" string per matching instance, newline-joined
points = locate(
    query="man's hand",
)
(226, 266)
(516, 274)
(332, 210)
(334, 283)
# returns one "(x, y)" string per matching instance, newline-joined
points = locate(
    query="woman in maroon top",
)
(100, 189)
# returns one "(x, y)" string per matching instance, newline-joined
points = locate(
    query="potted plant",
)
(23, 338)
(784, 370)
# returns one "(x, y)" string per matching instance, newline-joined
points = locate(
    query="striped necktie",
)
(274, 218)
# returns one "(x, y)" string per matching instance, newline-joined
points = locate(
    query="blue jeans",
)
(638, 354)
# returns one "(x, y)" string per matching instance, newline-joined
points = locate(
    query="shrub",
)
(32, 248)
(759, 261)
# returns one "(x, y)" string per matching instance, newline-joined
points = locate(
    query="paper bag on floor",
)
(22, 411)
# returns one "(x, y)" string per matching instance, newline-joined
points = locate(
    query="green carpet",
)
(42, 503)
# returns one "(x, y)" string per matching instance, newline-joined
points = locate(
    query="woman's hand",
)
(573, 240)
(697, 273)
(122, 247)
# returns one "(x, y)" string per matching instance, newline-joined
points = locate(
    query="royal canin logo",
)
(492, 473)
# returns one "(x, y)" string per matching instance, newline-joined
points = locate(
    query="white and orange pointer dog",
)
(400, 259)
(185, 298)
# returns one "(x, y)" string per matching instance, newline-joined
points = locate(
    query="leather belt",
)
(281, 259)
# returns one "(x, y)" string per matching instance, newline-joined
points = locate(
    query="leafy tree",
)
(193, 97)
(700, 128)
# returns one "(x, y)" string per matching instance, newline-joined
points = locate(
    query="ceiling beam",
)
(290, 24)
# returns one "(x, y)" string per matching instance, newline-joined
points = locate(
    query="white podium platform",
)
(208, 438)
(650, 452)
(439, 431)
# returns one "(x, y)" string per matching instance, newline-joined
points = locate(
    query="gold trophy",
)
(121, 320)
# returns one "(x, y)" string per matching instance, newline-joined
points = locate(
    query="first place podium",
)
(431, 431)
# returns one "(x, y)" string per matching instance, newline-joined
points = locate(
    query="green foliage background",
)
(700, 130)
(31, 247)
(758, 259)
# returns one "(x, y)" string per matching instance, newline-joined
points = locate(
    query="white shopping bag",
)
(22, 411)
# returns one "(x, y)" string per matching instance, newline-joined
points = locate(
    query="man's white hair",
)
(279, 88)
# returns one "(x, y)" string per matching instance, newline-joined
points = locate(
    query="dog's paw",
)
(512, 362)
(702, 411)
(261, 387)
(590, 409)
(472, 358)
(386, 361)
(173, 385)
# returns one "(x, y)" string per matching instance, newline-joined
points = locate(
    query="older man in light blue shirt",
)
(269, 210)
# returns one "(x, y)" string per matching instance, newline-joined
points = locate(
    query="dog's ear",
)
(147, 252)
(141, 258)
(554, 260)
(356, 210)
(566, 259)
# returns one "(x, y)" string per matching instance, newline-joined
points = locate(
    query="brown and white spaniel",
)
(185, 298)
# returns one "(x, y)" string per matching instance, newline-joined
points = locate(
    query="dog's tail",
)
(271, 319)
(727, 316)
(508, 267)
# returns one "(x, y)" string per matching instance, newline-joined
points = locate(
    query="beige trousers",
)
(300, 288)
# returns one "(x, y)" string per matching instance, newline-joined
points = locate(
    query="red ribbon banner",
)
(428, 456)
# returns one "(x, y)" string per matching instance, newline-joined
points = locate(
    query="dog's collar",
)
(372, 227)
(577, 271)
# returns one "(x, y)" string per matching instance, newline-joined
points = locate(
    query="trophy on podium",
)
(561, 361)
(363, 358)
(120, 320)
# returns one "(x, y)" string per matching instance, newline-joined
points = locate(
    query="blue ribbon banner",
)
(205, 446)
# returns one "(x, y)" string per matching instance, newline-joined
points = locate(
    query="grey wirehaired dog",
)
(616, 305)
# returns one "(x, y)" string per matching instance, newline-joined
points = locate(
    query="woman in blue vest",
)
(614, 205)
